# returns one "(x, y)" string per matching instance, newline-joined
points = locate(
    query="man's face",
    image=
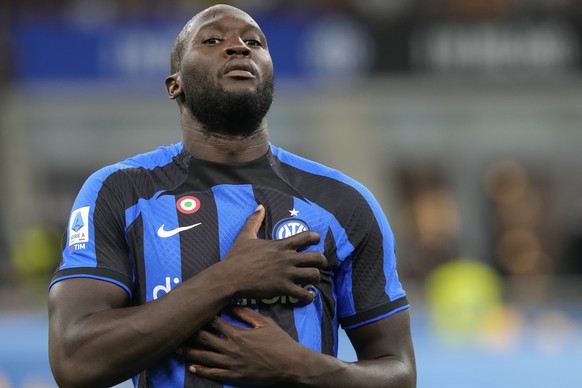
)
(227, 73)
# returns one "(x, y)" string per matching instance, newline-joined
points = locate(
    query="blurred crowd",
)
(109, 10)
(376, 14)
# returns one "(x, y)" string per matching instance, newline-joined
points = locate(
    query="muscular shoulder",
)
(321, 180)
(143, 162)
(350, 202)
(153, 168)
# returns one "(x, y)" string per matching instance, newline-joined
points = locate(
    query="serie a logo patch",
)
(79, 227)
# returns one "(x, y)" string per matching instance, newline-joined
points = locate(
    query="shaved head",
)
(221, 72)
(194, 24)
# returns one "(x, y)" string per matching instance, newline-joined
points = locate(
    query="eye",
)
(253, 42)
(211, 41)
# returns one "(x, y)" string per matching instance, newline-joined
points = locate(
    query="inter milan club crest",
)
(188, 204)
(288, 227)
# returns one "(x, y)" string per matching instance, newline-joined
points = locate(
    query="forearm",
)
(111, 345)
(313, 369)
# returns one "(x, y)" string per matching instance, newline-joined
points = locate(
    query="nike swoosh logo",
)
(169, 233)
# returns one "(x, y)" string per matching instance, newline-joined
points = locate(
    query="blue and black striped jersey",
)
(152, 221)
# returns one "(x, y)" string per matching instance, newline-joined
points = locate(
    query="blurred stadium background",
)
(464, 117)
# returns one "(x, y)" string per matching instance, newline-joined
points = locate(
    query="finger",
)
(307, 275)
(208, 327)
(253, 223)
(250, 316)
(219, 326)
(301, 240)
(208, 340)
(219, 374)
(301, 293)
(225, 328)
(206, 358)
(311, 259)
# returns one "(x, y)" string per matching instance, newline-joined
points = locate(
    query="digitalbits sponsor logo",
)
(289, 227)
(284, 300)
(163, 289)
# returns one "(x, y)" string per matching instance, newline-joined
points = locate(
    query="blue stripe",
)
(170, 373)
(162, 272)
(133, 212)
(343, 281)
(320, 220)
(317, 218)
(150, 160)
(76, 276)
(335, 320)
(308, 324)
(378, 317)
(234, 203)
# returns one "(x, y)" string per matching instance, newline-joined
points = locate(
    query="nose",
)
(236, 46)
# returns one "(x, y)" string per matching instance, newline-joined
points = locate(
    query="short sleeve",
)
(367, 281)
(95, 245)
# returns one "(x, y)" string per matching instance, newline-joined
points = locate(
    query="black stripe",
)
(111, 250)
(278, 205)
(199, 247)
(326, 291)
(139, 182)
(205, 174)
(136, 242)
(368, 278)
(143, 380)
(373, 313)
(193, 381)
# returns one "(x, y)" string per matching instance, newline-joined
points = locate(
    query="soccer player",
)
(224, 260)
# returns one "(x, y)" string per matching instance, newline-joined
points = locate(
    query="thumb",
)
(253, 223)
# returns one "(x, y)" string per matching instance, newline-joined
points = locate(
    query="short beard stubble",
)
(227, 113)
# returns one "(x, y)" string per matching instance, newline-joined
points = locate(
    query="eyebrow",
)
(214, 24)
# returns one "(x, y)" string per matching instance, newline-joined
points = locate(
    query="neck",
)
(221, 148)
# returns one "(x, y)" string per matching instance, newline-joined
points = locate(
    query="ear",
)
(174, 86)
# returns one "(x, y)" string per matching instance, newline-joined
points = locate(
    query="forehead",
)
(224, 19)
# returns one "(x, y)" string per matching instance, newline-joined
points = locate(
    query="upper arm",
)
(79, 297)
(71, 300)
(71, 303)
(388, 337)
